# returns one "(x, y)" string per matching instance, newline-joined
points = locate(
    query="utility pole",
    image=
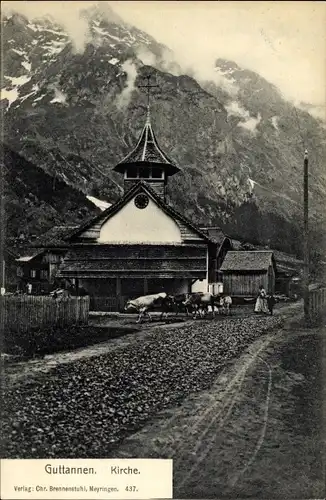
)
(305, 241)
(2, 229)
(2, 250)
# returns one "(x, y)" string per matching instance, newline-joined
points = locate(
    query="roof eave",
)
(243, 270)
(170, 168)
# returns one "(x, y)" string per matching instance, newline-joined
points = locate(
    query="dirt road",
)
(258, 432)
(21, 370)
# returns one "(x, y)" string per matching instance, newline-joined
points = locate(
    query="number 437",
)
(131, 488)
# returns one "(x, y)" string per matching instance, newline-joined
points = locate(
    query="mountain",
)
(76, 112)
(35, 201)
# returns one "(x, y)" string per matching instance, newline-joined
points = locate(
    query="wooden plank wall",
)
(244, 284)
(26, 312)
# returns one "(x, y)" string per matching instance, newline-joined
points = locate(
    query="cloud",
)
(124, 98)
(169, 62)
(177, 64)
(317, 111)
(226, 83)
(66, 14)
(235, 109)
(78, 31)
(146, 56)
(166, 61)
(248, 122)
(251, 123)
(204, 70)
(282, 41)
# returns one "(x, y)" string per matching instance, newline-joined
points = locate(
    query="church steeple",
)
(147, 162)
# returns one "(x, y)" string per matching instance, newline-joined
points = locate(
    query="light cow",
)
(143, 304)
(226, 303)
(199, 302)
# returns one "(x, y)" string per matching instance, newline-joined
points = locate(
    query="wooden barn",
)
(288, 273)
(39, 262)
(244, 271)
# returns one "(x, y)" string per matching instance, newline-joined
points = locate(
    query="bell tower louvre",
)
(147, 162)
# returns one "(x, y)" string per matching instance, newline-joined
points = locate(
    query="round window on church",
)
(141, 201)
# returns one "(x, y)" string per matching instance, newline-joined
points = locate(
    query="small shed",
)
(289, 273)
(38, 263)
(244, 272)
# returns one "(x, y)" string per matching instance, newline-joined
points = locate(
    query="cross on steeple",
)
(148, 87)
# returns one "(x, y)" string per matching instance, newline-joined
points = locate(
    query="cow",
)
(60, 293)
(178, 302)
(200, 301)
(181, 303)
(143, 304)
(226, 303)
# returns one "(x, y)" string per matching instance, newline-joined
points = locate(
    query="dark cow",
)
(158, 301)
(200, 301)
(179, 303)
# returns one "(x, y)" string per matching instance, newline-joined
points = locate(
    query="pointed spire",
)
(148, 115)
(147, 149)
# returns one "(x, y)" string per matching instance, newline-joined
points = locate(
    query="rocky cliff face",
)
(36, 201)
(75, 114)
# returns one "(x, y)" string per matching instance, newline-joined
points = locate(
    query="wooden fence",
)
(317, 303)
(25, 312)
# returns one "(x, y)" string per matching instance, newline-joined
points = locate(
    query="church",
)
(141, 244)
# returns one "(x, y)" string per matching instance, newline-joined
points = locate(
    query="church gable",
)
(141, 216)
(140, 220)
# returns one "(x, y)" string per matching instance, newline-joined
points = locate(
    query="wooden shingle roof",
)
(247, 261)
(147, 151)
(288, 259)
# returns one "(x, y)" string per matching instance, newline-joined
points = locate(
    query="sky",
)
(285, 42)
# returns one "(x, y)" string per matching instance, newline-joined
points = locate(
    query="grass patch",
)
(38, 342)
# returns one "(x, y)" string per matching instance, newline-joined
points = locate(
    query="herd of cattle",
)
(197, 304)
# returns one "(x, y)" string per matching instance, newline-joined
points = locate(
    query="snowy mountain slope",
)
(101, 204)
(76, 113)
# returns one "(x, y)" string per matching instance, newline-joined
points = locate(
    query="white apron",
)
(261, 302)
